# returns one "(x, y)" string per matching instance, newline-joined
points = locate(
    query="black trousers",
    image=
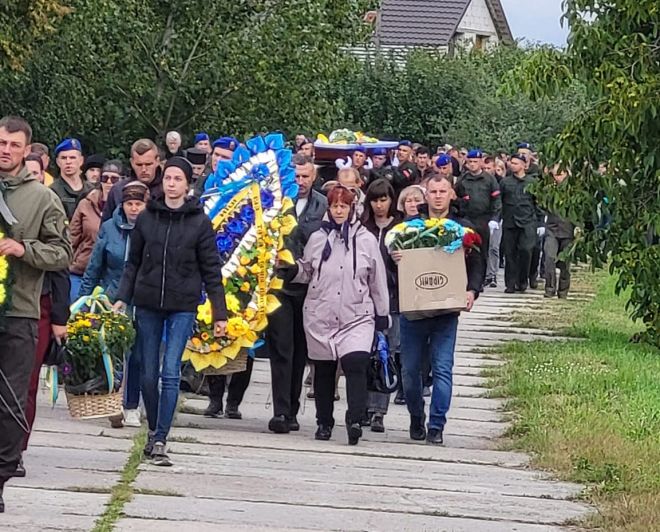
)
(552, 248)
(483, 231)
(288, 354)
(518, 245)
(238, 383)
(535, 262)
(18, 343)
(355, 366)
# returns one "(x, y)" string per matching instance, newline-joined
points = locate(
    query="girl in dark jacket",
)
(173, 256)
(380, 215)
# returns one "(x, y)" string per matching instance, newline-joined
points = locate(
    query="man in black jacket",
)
(285, 336)
(145, 162)
(436, 334)
(522, 225)
(558, 237)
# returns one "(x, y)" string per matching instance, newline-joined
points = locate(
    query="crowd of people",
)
(138, 230)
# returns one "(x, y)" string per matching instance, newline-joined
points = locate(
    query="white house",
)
(445, 25)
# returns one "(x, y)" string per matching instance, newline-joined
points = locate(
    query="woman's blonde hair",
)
(409, 191)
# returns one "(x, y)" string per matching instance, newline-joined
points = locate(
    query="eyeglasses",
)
(112, 178)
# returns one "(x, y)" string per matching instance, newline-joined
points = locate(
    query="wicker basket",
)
(95, 406)
(232, 366)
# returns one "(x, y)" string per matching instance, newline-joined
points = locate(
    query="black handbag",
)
(54, 353)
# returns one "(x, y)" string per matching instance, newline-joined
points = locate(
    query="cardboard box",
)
(431, 279)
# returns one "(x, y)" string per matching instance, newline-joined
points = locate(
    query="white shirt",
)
(300, 205)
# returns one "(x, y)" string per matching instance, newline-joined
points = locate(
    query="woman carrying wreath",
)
(173, 256)
(346, 303)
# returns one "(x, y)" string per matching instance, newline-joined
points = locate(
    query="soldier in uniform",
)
(71, 186)
(533, 170)
(406, 173)
(203, 142)
(479, 198)
(522, 224)
(358, 160)
(558, 237)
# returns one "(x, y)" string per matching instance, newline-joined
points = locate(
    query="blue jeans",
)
(178, 326)
(438, 335)
(76, 283)
(132, 380)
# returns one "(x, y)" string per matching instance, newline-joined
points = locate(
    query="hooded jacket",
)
(108, 257)
(42, 229)
(173, 255)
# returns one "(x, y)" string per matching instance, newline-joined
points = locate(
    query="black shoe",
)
(521, 288)
(417, 429)
(323, 432)
(377, 424)
(277, 424)
(434, 437)
(562, 295)
(214, 409)
(493, 283)
(294, 426)
(548, 295)
(509, 290)
(232, 412)
(354, 431)
(488, 280)
(533, 285)
(19, 472)
(399, 398)
(149, 446)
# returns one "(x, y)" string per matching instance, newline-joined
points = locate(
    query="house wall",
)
(476, 21)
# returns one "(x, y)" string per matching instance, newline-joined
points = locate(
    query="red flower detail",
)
(471, 240)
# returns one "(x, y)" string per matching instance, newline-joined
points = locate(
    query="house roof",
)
(430, 22)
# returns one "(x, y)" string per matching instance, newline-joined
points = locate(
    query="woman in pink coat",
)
(347, 301)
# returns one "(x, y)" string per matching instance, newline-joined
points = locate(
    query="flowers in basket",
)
(97, 340)
(248, 200)
(434, 232)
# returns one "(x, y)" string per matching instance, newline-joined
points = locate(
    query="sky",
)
(536, 20)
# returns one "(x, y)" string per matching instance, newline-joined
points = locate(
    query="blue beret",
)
(405, 143)
(524, 146)
(519, 156)
(68, 145)
(361, 149)
(201, 136)
(226, 143)
(379, 151)
(475, 154)
(443, 160)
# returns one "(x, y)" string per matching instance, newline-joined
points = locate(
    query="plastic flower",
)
(233, 304)
(237, 327)
(224, 242)
(236, 227)
(245, 287)
(4, 268)
(244, 260)
(247, 214)
(267, 198)
(205, 313)
(204, 336)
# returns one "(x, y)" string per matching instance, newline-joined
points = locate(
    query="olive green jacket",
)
(42, 228)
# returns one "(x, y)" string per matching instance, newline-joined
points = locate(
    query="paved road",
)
(234, 475)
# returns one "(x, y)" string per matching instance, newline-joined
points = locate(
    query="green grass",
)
(122, 492)
(589, 410)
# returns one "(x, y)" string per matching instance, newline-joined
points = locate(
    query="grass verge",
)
(122, 492)
(589, 410)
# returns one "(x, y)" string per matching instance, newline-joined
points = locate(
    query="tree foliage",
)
(614, 51)
(23, 24)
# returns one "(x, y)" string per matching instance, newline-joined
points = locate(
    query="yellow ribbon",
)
(262, 260)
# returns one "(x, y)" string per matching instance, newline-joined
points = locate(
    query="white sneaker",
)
(132, 418)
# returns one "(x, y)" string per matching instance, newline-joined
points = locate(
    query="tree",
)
(120, 69)
(614, 51)
(23, 24)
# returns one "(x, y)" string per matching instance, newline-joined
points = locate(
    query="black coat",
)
(309, 222)
(173, 256)
(519, 208)
(390, 265)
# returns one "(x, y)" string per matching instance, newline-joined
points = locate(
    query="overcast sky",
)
(536, 20)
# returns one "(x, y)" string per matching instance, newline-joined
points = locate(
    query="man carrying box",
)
(435, 332)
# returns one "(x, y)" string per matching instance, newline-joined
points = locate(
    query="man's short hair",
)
(142, 146)
(423, 150)
(300, 159)
(39, 149)
(489, 159)
(350, 170)
(35, 157)
(16, 124)
(437, 178)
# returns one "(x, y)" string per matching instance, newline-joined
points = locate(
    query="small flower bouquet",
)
(248, 200)
(432, 233)
(5, 282)
(97, 341)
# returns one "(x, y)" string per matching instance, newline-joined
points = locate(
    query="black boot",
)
(323, 432)
(353, 430)
(279, 425)
(294, 426)
(417, 430)
(214, 409)
(377, 424)
(233, 412)
(20, 469)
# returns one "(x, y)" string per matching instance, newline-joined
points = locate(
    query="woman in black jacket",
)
(173, 256)
(380, 215)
